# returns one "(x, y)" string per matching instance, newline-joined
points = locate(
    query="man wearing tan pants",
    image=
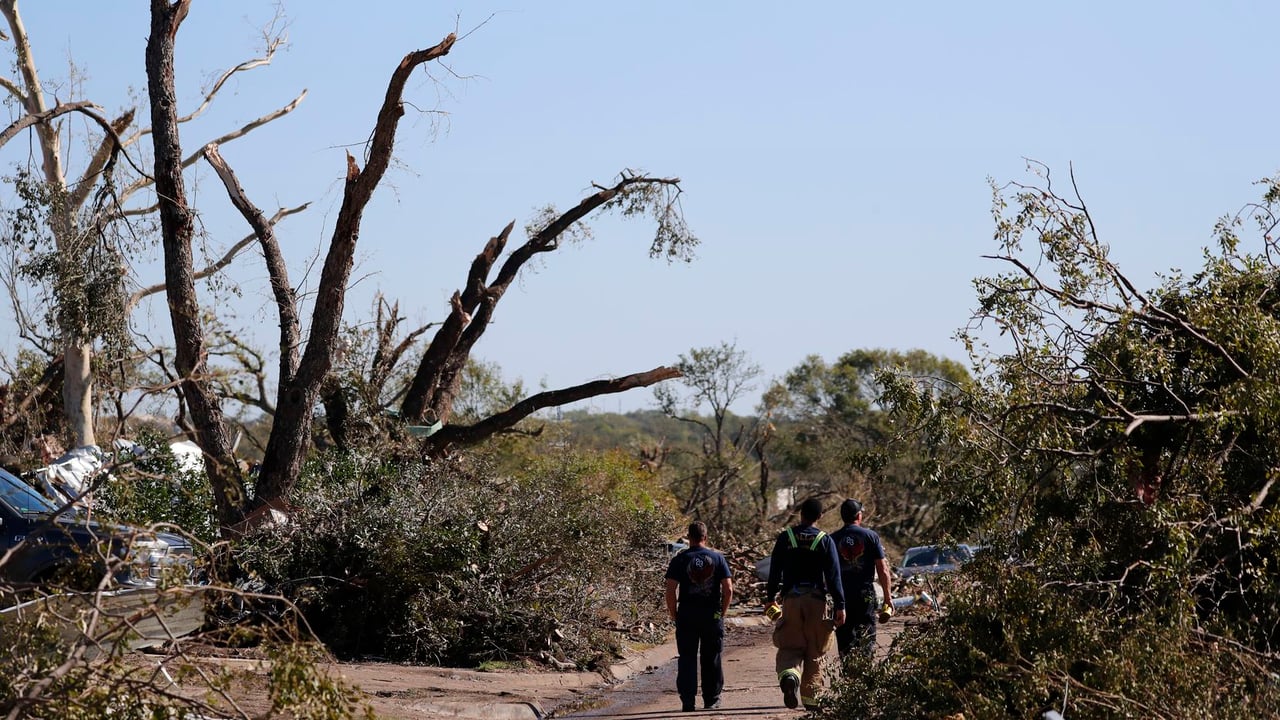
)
(805, 570)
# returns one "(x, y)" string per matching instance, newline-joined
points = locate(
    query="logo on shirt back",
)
(851, 550)
(700, 570)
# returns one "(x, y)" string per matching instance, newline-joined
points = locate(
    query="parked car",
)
(934, 559)
(40, 545)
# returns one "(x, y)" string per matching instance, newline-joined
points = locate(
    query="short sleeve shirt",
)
(699, 572)
(858, 548)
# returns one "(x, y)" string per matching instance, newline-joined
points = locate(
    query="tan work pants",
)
(803, 637)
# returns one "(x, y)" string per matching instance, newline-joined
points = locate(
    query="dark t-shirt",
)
(699, 572)
(858, 548)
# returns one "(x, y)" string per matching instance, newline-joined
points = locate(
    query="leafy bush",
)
(154, 488)
(452, 563)
(1119, 464)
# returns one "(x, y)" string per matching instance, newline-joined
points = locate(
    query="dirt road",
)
(643, 689)
(750, 689)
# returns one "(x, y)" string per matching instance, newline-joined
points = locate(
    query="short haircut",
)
(849, 510)
(697, 530)
(810, 510)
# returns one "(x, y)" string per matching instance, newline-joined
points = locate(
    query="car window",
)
(21, 496)
(920, 557)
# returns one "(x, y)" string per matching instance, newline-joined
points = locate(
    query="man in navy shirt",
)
(862, 562)
(699, 588)
(803, 571)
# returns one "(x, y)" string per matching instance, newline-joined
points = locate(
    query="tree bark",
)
(177, 229)
(453, 436)
(299, 393)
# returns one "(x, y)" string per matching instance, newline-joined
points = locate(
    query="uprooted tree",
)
(304, 366)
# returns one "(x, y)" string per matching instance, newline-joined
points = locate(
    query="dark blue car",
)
(41, 546)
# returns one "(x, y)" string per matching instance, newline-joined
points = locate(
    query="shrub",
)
(154, 488)
(452, 563)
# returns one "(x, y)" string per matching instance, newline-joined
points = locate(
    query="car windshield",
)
(21, 496)
(926, 556)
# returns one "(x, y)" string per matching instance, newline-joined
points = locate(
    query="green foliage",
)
(456, 564)
(80, 271)
(155, 489)
(1011, 648)
(1118, 462)
(834, 436)
(301, 690)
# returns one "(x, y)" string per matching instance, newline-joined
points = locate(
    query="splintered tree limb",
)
(459, 435)
(109, 145)
(286, 449)
(359, 189)
(428, 377)
(434, 383)
(277, 270)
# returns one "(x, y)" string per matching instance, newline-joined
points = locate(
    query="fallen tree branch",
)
(461, 435)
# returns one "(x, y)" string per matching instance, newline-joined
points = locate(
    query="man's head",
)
(697, 532)
(810, 510)
(850, 511)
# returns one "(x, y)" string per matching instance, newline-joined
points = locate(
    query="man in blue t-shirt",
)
(862, 562)
(699, 588)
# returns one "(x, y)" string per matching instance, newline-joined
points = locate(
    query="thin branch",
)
(217, 265)
(240, 132)
(277, 270)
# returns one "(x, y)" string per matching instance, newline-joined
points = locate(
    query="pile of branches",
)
(456, 564)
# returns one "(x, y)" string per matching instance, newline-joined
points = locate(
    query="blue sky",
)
(835, 155)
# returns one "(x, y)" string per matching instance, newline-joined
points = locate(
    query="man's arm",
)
(835, 585)
(726, 596)
(671, 597)
(882, 573)
(775, 572)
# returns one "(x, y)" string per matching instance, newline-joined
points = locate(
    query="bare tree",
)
(305, 363)
(87, 273)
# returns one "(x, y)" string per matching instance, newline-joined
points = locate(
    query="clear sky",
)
(835, 156)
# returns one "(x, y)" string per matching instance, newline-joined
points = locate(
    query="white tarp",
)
(67, 479)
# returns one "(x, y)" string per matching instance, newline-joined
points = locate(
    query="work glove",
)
(773, 611)
(886, 612)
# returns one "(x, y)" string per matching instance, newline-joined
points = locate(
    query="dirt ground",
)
(640, 688)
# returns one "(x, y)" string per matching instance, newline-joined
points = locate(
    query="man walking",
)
(862, 562)
(699, 588)
(804, 569)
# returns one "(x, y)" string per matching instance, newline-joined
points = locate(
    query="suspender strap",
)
(791, 537)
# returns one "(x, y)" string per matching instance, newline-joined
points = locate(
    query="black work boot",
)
(790, 691)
